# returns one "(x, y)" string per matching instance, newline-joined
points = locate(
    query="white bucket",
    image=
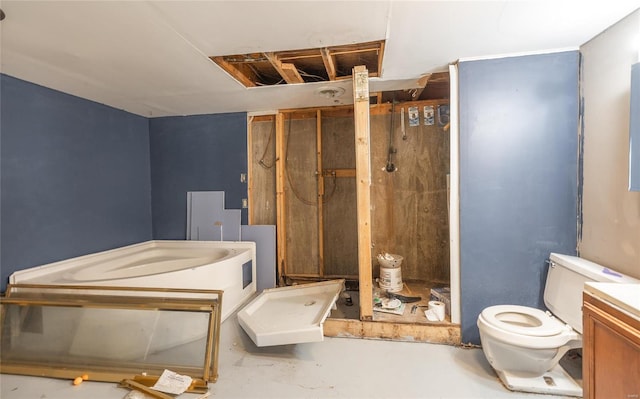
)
(390, 279)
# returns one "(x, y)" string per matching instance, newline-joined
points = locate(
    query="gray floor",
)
(335, 368)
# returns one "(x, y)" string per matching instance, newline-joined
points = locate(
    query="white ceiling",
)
(151, 57)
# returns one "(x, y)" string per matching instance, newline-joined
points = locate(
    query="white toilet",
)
(524, 345)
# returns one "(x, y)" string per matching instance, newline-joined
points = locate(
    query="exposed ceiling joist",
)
(287, 70)
(303, 66)
(329, 64)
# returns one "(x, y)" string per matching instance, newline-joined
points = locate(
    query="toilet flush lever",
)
(550, 263)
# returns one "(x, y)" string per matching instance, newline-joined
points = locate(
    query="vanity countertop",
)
(624, 296)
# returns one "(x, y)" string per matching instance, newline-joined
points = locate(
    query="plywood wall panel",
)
(263, 174)
(340, 216)
(340, 227)
(409, 213)
(338, 143)
(301, 194)
(409, 205)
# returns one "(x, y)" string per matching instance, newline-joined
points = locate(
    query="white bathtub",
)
(219, 265)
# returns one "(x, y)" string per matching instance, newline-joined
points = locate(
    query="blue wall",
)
(75, 176)
(195, 153)
(518, 184)
(79, 177)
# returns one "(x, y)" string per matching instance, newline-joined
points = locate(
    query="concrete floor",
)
(335, 368)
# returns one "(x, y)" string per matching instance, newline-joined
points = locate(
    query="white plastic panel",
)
(290, 315)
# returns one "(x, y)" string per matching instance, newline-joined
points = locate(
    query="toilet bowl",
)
(524, 345)
(523, 340)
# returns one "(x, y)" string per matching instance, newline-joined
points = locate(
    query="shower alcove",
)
(302, 178)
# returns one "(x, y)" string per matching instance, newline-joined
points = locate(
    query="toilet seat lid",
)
(523, 320)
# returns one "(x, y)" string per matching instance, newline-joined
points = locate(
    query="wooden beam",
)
(422, 84)
(317, 277)
(233, 71)
(363, 188)
(385, 109)
(441, 333)
(329, 64)
(281, 233)
(380, 57)
(289, 72)
(339, 172)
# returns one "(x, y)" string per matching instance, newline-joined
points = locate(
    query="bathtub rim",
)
(29, 274)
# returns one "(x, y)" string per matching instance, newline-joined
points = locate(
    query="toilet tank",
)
(565, 282)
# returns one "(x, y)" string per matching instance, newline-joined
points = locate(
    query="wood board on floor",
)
(343, 322)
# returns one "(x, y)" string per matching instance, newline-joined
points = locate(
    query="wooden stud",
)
(320, 196)
(249, 170)
(281, 233)
(363, 186)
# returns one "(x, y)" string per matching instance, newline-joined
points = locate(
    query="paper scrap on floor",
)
(173, 383)
(389, 306)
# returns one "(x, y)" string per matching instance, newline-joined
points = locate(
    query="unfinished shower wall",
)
(300, 193)
(339, 209)
(262, 170)
(409, 205)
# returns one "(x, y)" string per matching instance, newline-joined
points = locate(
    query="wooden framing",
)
(363, 184)
(329, 64)
(422, 83)
(367, 119)
(339, 172)
(325, 174)
(288, 71)
(250, 193)
(236, 73)
(285, 231)
(320, 196)
(294, 66)
(280, 198)
(433, 333)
